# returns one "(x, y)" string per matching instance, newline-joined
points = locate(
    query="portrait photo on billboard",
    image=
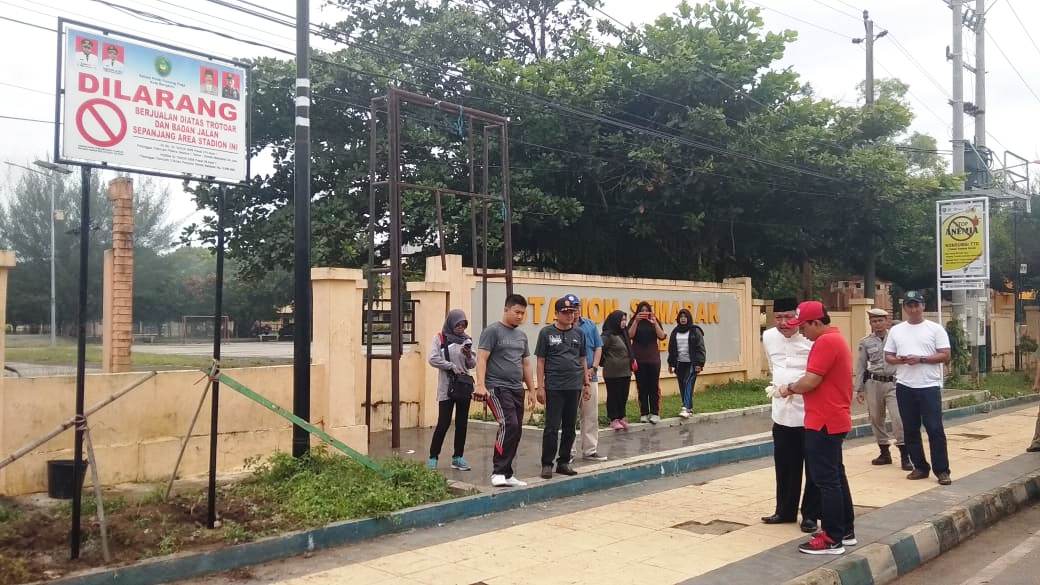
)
(208, 80)
(86, 52)
(113, 58)
(230, 86)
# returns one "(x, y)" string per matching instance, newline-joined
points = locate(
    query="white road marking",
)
(994, 569)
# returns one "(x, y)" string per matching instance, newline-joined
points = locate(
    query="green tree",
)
(739, 168)
(25, 225)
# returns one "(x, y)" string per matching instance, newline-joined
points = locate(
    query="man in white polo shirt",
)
(919, 348)
(788, 353)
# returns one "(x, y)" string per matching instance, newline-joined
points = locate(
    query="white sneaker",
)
(685, 412)
(499, 480)
(644, 419)
(654, 419)
(514, 482)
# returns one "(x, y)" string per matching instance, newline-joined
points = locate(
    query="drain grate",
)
(715, 527)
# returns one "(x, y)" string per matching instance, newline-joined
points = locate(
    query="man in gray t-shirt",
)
(507, 348)
(501, 376)
(562, 377)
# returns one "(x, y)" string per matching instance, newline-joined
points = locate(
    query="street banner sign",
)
(129, 104)
(962, 237)
(964, 285)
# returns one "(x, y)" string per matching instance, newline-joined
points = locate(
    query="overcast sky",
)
(824, 56)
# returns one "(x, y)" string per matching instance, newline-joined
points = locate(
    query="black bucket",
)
(59, 478)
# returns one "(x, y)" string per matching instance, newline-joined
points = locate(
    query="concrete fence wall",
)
(137, 437)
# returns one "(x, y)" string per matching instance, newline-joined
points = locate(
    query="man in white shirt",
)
(919, 348)
(111, 60)
(788, 352)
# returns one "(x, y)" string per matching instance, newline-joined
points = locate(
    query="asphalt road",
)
(1006, 554)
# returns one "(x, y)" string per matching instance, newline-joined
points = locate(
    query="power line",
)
(838, 10)
(1025, 29)
(22, 87)
(1013, 67)
(21, 119)
(8, 18)
(802, 20)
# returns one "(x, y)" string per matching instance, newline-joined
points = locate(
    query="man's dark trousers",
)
(823, 457)
(788, 460)
(507, 406)
(919, 406)
(561, 411)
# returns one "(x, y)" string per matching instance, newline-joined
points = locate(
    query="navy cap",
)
(913, 296)
(567, 301)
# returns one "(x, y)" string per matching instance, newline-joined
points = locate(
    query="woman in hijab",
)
(645, 332)
(686, 357)
(616, 362)
(451, 352)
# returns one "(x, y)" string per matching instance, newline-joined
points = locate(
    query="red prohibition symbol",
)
(109, 135)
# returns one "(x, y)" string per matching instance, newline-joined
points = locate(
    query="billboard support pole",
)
(81, 360)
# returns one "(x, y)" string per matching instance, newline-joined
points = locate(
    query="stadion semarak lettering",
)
(596, 309)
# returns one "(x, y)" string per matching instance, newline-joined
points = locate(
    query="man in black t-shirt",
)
(562, 378)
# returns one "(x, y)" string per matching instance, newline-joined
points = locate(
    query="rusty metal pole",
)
(371, 285)
(507, 211)
(394, 113)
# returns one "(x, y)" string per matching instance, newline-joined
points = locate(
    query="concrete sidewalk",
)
(701, 527)
(643, 440)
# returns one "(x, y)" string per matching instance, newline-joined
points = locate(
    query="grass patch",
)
(1008, 384)
(963, 401)
(323, 487)
(281, 494)
(65, 355)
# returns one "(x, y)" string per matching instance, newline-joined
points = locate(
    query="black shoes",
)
(808, 526)
(547, 472)
(885, 458)
(565, 469)
(918, 474)
(904, 458)
(944, 478)
(776, 519)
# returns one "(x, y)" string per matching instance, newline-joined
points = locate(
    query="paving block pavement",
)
(708, 532)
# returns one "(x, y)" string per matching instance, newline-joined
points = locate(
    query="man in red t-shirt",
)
(827, 388)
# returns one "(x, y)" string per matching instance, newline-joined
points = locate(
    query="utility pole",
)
(980, 299)
(302, 209)
(870, 265)
(959, 305)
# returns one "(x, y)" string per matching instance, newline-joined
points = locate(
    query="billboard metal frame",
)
(59, 97)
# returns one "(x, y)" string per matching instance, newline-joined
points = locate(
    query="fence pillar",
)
(859, 321)
(7, 262)
(337, 299)
(748, 325)
(119, 285)
(430, 310)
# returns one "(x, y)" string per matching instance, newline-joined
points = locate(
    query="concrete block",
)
(821, 576)
(883, 566)
(853, 570)
(926, 539)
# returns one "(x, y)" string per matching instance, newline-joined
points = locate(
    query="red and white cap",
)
(807, 311)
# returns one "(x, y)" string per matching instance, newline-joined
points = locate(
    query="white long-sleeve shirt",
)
(787, 359)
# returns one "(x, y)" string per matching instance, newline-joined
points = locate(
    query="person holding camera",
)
(451, 352)
(646, 333)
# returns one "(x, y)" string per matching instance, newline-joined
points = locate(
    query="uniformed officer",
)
(875, 384)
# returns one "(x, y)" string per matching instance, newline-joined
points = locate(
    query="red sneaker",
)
(821, 544)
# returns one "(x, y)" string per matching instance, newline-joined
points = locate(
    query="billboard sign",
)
(129, 104)
(963, 239)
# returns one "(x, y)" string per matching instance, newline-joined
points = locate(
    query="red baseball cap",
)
(807, 311)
